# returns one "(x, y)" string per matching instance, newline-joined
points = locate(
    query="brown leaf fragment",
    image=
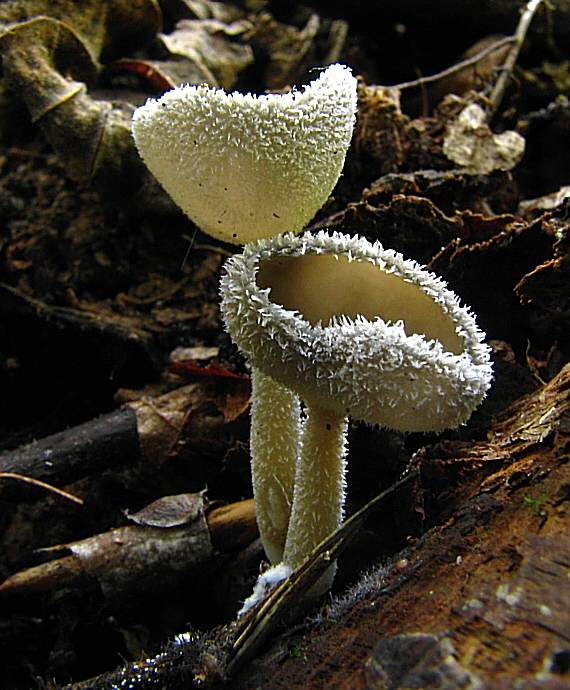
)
(207, 9)
(533, 420)
(449, 190)
(503, 260)
(379, 127)
(410, 224)
(289, 49)
(480, 228)
(213, 47)
(545, 288)
(168, 511)
(530, 207)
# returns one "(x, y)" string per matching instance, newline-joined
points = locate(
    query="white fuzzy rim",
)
(368, 369)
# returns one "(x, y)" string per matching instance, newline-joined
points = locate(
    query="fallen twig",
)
(142, 554)
(457, 67)
(506, 71)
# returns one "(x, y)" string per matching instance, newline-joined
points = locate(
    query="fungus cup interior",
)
(320, 287)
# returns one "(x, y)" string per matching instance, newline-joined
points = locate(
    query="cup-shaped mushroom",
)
(357, 330)
(243, 167)
(354, 330)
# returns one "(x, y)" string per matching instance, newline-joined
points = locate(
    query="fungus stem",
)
(274, 445)
(319, 485)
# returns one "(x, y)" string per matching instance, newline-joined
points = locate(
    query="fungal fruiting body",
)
(354, 330)
(243, 167)
(357, 330)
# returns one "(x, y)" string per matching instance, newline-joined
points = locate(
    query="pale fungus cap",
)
(357, 330)
(243, 167)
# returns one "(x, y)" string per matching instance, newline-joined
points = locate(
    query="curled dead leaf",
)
(105, 28)
(46, 64)
(169, 511)
(470, 143)
(36, 54)
(213, 48)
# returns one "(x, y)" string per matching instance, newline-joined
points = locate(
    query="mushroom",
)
(354, 330)
(243, 167)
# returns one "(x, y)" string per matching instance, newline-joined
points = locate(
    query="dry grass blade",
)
(41, 485)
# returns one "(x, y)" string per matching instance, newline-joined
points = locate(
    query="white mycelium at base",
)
(265, 583)
(242, 166)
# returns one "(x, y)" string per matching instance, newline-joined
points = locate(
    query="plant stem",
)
(319, 485)
(274, 444)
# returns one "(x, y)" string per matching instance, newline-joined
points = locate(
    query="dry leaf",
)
(471, 144)
(211, 45)
(49, 68)
(105, 28)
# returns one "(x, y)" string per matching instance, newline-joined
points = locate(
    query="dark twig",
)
(468, 62)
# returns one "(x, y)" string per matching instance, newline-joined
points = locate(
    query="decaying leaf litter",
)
(109, 298)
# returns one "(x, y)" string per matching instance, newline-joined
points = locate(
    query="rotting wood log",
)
(478, 601)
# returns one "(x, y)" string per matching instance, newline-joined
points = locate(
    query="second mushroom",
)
(352, 330)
